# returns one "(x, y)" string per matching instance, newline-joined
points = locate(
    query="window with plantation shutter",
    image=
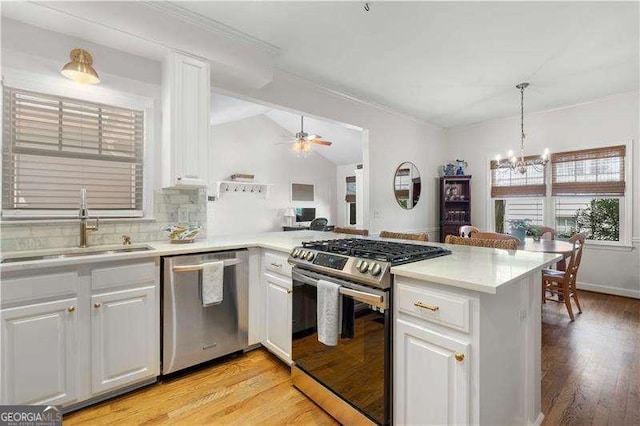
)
(597, 171)
(54, 146)
(506, 182)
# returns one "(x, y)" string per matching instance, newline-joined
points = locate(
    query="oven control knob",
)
(364, 267)
(310, 255)
(302, 254)
(375, 269)
(295, 253)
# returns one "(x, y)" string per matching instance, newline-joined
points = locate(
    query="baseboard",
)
(538, 420)
(616, 291)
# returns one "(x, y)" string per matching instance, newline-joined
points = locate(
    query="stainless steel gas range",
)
(352, 380)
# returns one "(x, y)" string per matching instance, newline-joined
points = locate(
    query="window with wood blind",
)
(54, 146)
(506, 182)
(596, 171)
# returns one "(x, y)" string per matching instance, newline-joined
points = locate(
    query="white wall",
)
(608, 121)
(388, 140)
(250, 146)
(341, 192)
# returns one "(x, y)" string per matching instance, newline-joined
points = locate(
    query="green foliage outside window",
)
(600, 220)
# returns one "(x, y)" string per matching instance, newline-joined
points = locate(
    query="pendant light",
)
(80, 69)
(520, 164)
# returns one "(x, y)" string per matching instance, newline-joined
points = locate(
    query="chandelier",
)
(521, 164)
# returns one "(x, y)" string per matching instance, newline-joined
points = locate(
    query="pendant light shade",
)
(80, 69)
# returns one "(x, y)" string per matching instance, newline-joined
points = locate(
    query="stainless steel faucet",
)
(83, 215)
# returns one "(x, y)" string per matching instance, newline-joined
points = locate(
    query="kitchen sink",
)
(74, 253)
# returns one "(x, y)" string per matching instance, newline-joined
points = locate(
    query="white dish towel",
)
(212, 283)
(328, 310)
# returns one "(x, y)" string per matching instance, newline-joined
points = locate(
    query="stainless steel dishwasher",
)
(191, 333)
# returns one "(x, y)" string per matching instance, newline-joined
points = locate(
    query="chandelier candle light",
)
(520, 164)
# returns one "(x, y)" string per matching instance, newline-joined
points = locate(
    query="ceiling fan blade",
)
(321, 142)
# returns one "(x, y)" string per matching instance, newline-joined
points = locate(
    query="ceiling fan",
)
(303, 141)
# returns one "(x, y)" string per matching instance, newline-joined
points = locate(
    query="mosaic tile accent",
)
(167, 204)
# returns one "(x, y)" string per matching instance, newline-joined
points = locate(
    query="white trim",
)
(635, 240)
(539, 420)
(353, 98)
(616, 291)
(544, 111)
(211, 24)
(7, 223)
(607, 245)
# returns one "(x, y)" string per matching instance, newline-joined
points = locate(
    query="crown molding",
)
(202, 21)
(352, 98)
(606, 98)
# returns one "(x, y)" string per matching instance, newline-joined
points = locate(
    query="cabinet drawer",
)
(123, 275)
(31, 288)
(277, 263)
(445, 309)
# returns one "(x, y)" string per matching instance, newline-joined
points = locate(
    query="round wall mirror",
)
(406, 185)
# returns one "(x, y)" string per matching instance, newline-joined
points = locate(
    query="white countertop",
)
(475, 268)
(472, 268)
(280, 241)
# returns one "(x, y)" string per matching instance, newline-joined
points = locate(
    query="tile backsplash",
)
(169, 204)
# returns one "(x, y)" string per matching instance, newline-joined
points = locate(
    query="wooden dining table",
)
(564, 248)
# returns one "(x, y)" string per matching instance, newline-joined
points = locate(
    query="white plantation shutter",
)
(55, 146)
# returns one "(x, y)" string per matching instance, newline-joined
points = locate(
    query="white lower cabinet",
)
(431, 377)
(123, 347)
(278, 324)
(73, 333)
(39, 353)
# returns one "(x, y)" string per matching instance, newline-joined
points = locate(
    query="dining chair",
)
(466, 231)
(493, 236)
(351, 231)
(547, 232)
(423, 236)
(563, 283)
(508, 244)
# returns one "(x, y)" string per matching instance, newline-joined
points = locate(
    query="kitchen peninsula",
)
(466, 346)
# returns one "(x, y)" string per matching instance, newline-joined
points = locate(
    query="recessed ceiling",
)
(449, 63)
(346, 139)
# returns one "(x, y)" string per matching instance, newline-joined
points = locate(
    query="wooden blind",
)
(509, 183)
(597, 171)
(350, 197)
(54, 146)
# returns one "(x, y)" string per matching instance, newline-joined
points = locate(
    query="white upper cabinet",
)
(186, 104)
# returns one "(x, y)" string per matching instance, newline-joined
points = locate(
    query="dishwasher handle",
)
(198, 267)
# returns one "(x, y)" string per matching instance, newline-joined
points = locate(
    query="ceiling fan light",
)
(79, 69)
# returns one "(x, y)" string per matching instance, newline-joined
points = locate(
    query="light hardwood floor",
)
(251, 389)
(590, 375)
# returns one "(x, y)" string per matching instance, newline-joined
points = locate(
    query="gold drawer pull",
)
(459, 356)
(97, 305)
(425, 306)
(71, 308)
(276, 265)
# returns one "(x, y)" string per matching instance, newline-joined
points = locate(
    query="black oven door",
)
(358, 369)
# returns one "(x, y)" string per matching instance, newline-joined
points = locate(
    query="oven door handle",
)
(361, 296)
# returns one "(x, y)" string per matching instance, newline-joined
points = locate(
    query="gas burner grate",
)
(384, 251)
